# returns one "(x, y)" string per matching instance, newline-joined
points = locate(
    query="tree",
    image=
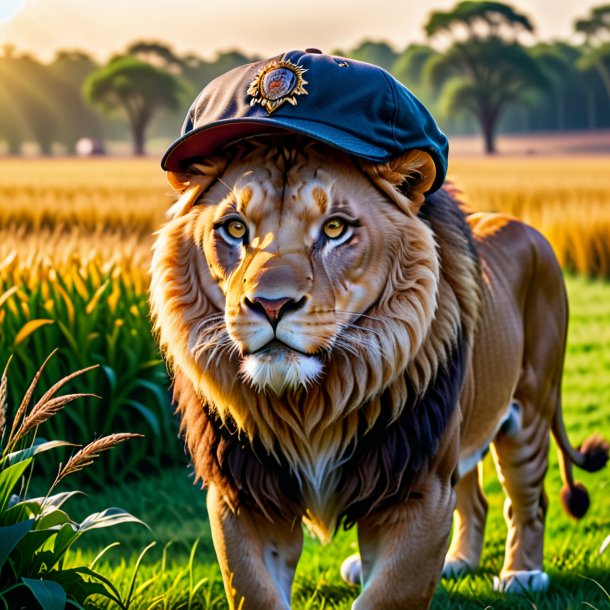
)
(485, 69)
(409, 67)
(373, 52)
(78, 120)
(136, 88)
(158, 54)
(596, 29)
(30, 106)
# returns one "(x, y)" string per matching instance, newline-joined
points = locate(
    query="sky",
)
(263, 27)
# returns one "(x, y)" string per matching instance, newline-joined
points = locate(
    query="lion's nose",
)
(274, 309)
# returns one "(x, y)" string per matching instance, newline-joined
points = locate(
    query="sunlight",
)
(9, 9)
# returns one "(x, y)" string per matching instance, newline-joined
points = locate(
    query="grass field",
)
(93, 217)
(174, 509)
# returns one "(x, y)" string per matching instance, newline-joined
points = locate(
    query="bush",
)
(36, 534)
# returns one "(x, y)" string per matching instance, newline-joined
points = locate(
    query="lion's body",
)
(422, 327)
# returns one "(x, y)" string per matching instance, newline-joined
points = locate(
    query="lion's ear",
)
(192, 183)
(406, 178)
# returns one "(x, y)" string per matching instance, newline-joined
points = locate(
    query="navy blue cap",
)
(351, 105)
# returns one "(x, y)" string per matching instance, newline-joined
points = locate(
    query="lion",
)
(345, 348)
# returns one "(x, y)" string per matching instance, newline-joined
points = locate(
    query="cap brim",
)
(211, 138)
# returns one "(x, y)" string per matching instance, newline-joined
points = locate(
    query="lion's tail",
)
(591, 456)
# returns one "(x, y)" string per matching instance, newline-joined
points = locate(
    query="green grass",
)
(172, 577)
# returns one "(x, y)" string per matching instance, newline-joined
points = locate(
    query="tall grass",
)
(566, 199)
(95, 311)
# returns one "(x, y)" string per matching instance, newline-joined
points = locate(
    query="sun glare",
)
(9, 9)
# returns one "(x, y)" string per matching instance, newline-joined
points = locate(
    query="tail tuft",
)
(595, 449)
(575, 500)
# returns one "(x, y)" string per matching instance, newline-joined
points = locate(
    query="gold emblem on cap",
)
(279, 81)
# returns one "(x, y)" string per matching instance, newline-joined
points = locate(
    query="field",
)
(75, 241)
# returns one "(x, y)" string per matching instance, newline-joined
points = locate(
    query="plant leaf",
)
(110, 375)
(76, 585)
(19, 511)
(10, 536)
(49, 594)
(57, 500)
(147, 414)
(52, 517)
(39, 446)
(64, 539)
(108, 518)
(9, 477)
(29, 548)
(28, 328)
(114, 595)
(8, 294)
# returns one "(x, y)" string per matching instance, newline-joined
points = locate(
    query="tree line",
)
(481, 70)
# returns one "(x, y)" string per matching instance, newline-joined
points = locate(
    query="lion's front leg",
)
(403, 548)
(257, 558)
(402, 560)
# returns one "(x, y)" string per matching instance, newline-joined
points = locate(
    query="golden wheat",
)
(566, 198)
(85, 456)
(112, 195)
(56, 212)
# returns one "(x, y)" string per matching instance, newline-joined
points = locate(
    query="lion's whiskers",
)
(386, 316)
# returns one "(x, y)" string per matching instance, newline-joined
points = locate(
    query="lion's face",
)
(299, 250)
(282, 259)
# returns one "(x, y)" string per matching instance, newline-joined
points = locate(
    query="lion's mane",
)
(374, 420)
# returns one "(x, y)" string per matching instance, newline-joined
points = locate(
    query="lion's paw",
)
(351, 570)
(455, 568)
(522, 581)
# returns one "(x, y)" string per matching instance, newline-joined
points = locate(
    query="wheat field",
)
(108, 209)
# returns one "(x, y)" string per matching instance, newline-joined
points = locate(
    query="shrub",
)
(36, 534)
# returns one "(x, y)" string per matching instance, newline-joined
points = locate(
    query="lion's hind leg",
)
(521, 457)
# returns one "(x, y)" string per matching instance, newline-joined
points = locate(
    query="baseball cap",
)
(352, 105)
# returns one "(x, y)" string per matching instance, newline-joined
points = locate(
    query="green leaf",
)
(114, 595)
(57, 500)
(66, 536)
(9, 477)
(147, 414)
(108, 518)
(51, 517)
(150, 364)
(76, 585)
(10, 536)
(18, 512)
(29, 547)
(110, 375)
(39, 446)
(160, 394)
(50, 595)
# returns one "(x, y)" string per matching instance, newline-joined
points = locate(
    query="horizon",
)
(108, 28)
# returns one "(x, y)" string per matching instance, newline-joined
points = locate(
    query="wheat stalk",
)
(25, 403)
(57, 386)
(46, 411)
(90, 452)
(3, 405)
(47, 406)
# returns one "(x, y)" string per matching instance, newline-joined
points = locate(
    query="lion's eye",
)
(236, 229)
(334, 228)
